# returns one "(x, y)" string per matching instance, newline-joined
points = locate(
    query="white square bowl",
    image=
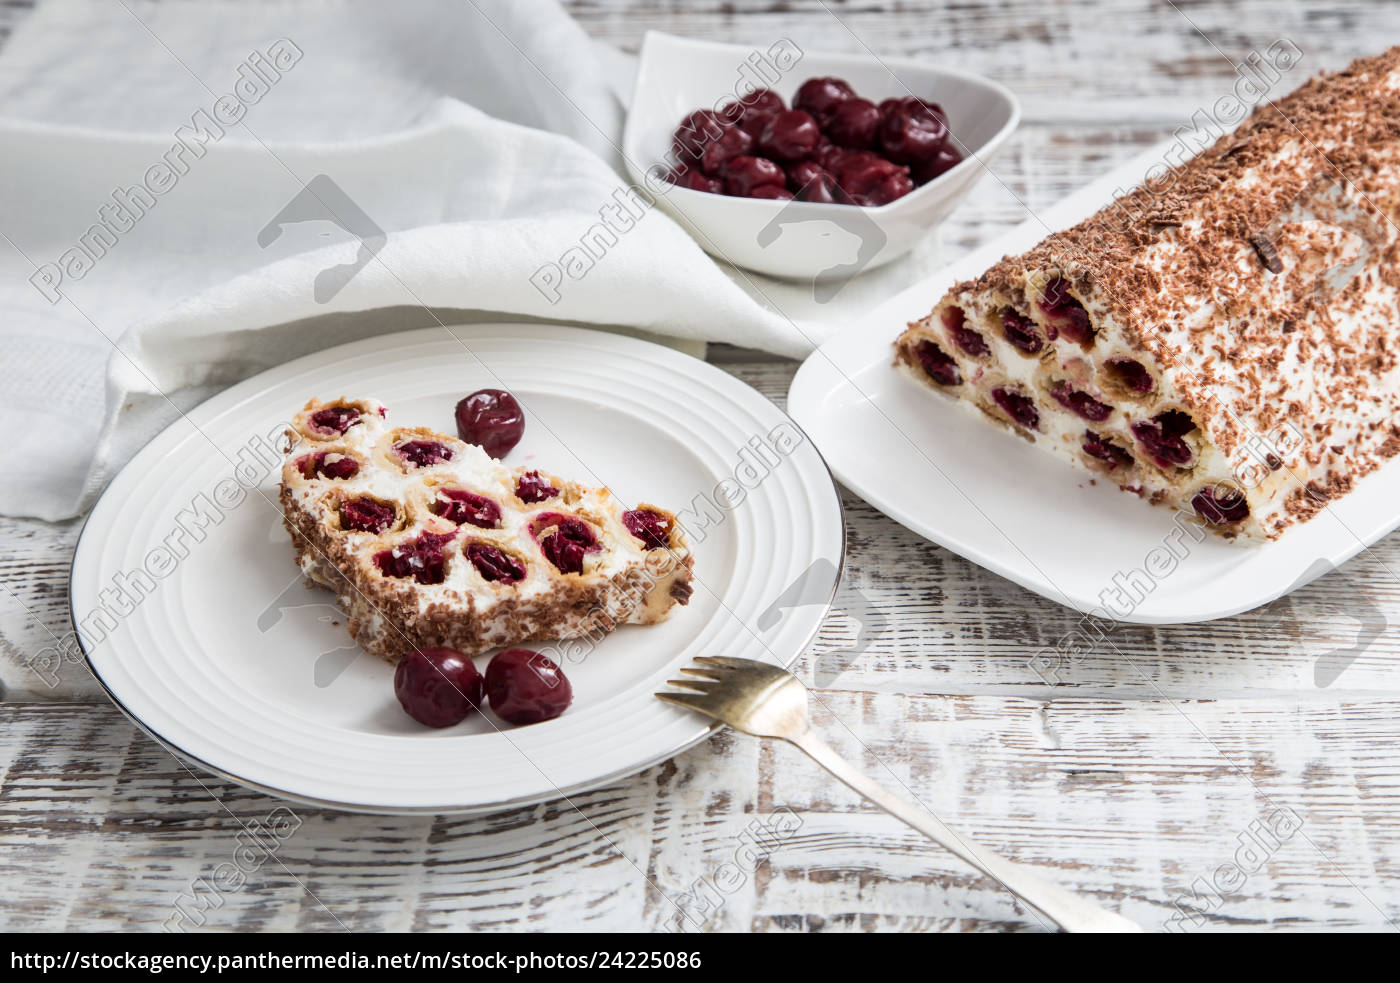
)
(798, 239)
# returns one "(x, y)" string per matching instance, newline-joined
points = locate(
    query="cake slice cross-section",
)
(1224, 339)
(427, 542)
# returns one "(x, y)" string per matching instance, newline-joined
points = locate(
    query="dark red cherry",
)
(491, 419)
(790, 135)
(422, 558)
(753, 112)
(893, 187)
(912, 131)
(1161, 437)
(466, 508)
(366, 515)
(695, 133)
(424, 453)
(937, 364)
(945, 160)
(772, 191)
(1130, 374)
(830, 156)
(438, 687)
(854, 123)
(1080, 402)
(821, 96)
(565, 541)
(1105, 450)
(495, 564)
(860, 173)
(732, 143)
(695, 179)
(1021, 331)
(652, 528)
(328, 464)
(526, 687)
(809, 181)
(1068, 314)
(743, 174)
(1018, 406)
(533, 488)
(970, 341)
(334, 420)
(1229, 506)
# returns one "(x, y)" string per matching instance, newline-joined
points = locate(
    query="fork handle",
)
(1069, 911)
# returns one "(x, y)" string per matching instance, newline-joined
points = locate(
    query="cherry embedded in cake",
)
(422, 558)
(1021, 332)
(1018, 406)
(1102, 449)
(366, 514)
(937, 364)
(331, 465)
(1080, 402)
(494, 564)
(1163, 438)
(652, 526)
(430, 543)
(333, 420)
(424, 453)
(565, 540)
(533, 488)
(462, 507)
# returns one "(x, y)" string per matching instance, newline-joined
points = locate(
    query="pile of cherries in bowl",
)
(831, 146)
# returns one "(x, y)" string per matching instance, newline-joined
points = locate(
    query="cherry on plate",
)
(491, 419)
(526, 687)
(438, 687)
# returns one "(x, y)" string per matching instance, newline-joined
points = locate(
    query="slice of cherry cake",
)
(428, 542)
(1224, 339)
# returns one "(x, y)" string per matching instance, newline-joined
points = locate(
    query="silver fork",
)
(765, 701)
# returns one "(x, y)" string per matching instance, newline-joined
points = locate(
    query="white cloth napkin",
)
(421, 125)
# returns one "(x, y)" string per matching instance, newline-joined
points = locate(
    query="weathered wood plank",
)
(1128, 802)
(1091, 61)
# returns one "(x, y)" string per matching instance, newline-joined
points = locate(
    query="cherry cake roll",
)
(1223, 339)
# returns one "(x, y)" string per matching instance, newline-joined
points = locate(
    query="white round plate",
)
(194, 618)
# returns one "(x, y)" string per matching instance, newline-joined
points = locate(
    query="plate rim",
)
(560, 793)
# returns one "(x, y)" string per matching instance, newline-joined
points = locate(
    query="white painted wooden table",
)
(1141, 779)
